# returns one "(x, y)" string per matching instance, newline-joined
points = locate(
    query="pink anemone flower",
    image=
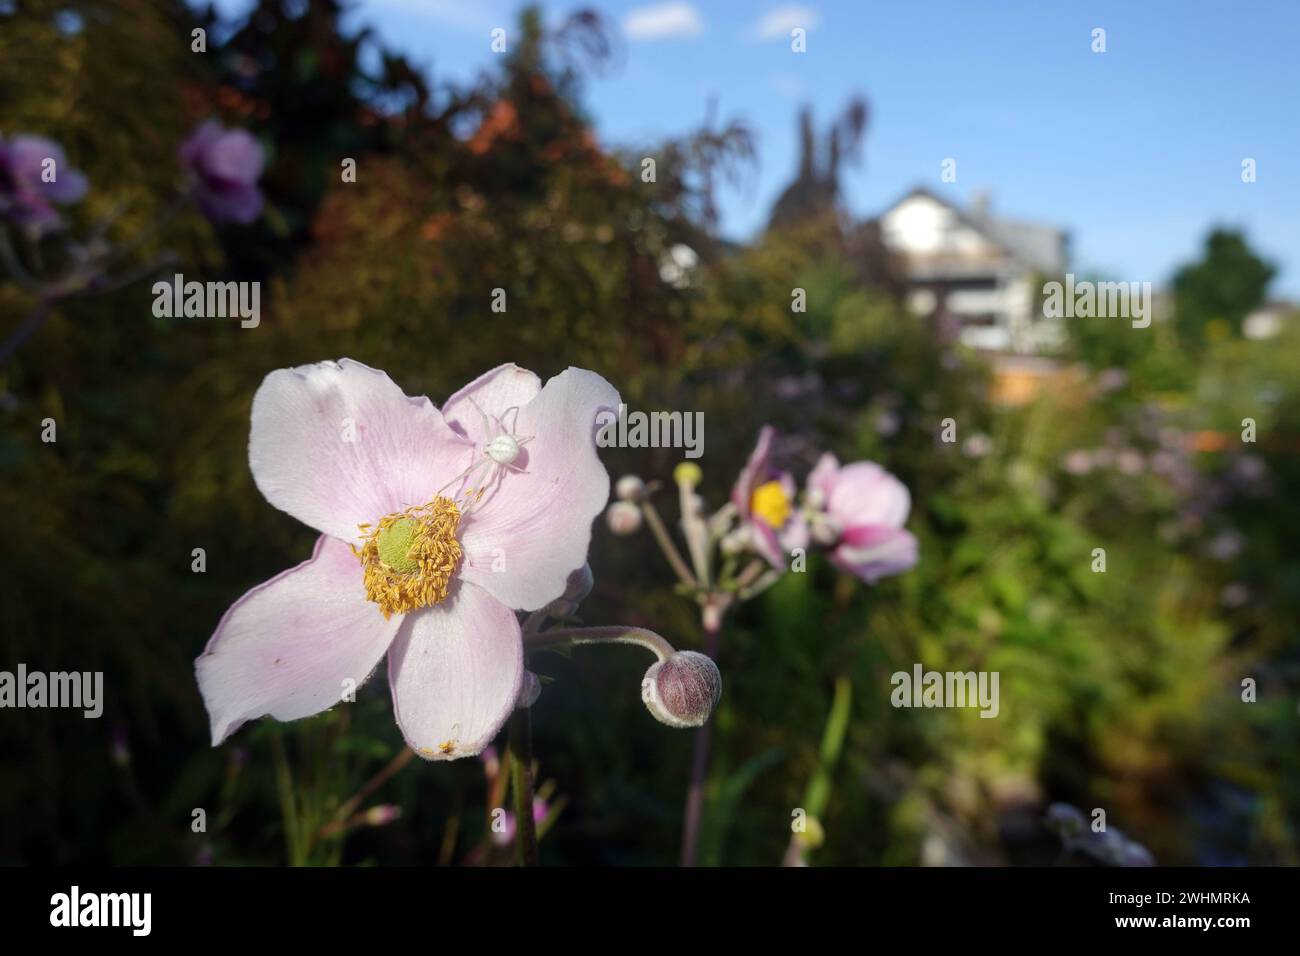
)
(225, 165)
(858, 511)
(435, 527)
(764, 500)
(34, 177)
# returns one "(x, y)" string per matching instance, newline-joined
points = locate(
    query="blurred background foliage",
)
(1119, 690)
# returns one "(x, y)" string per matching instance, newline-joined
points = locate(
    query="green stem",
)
(666, 544)
(818, 794)
(288, 801)
(521, 777)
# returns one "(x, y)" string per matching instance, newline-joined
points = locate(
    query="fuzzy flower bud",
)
(623, 517)
(682, 690)
(630, 488)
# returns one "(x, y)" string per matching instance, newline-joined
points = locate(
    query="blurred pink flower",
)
(764, 500)
(34, 176)
(506, 835)
(858, 511)
(423, 553)
(225, 165)
(1078, 461)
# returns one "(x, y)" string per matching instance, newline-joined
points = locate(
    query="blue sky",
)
(1137, 151)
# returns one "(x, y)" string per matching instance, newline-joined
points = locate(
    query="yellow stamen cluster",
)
(409, 557)
(770, 502)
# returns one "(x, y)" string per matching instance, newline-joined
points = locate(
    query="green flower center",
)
(394, 544)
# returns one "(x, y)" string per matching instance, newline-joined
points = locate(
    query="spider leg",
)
(474, 466)
(512, 408)
(476, 495)
(487, 427)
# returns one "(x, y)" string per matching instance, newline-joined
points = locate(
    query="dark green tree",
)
(1225, 285)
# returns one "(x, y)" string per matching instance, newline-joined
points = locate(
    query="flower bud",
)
(530, 688)
(688, 473)
(735, 542)
(630, 488)
(579, 584)
(623, 517)
(682, 690)
(383, 814)
(576, 589)
(825, 529)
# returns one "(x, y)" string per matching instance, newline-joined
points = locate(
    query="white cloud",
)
(781, 20)
(663, 21)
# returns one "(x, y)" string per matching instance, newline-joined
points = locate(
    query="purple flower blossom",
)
(34, 177)
(764, 501)
(859, 512)
(225, 165)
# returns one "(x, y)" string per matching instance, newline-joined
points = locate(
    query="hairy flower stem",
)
(602, 635)
(521, 780)
(700, 758)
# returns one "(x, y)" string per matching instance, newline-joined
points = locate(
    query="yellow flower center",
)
(409, 557)
(770, 502)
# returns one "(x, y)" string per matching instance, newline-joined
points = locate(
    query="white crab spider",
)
(499, 453)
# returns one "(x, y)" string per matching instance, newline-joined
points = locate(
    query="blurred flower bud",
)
(630, 488)
(623, 517)
(813, 835)
(1065, 821)
(120, 748)
(688, 473)
(382, 814)
(735, 542)
(682, 690)
(529, 690)
(491, 762)
(825, 529)
(722, 520)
